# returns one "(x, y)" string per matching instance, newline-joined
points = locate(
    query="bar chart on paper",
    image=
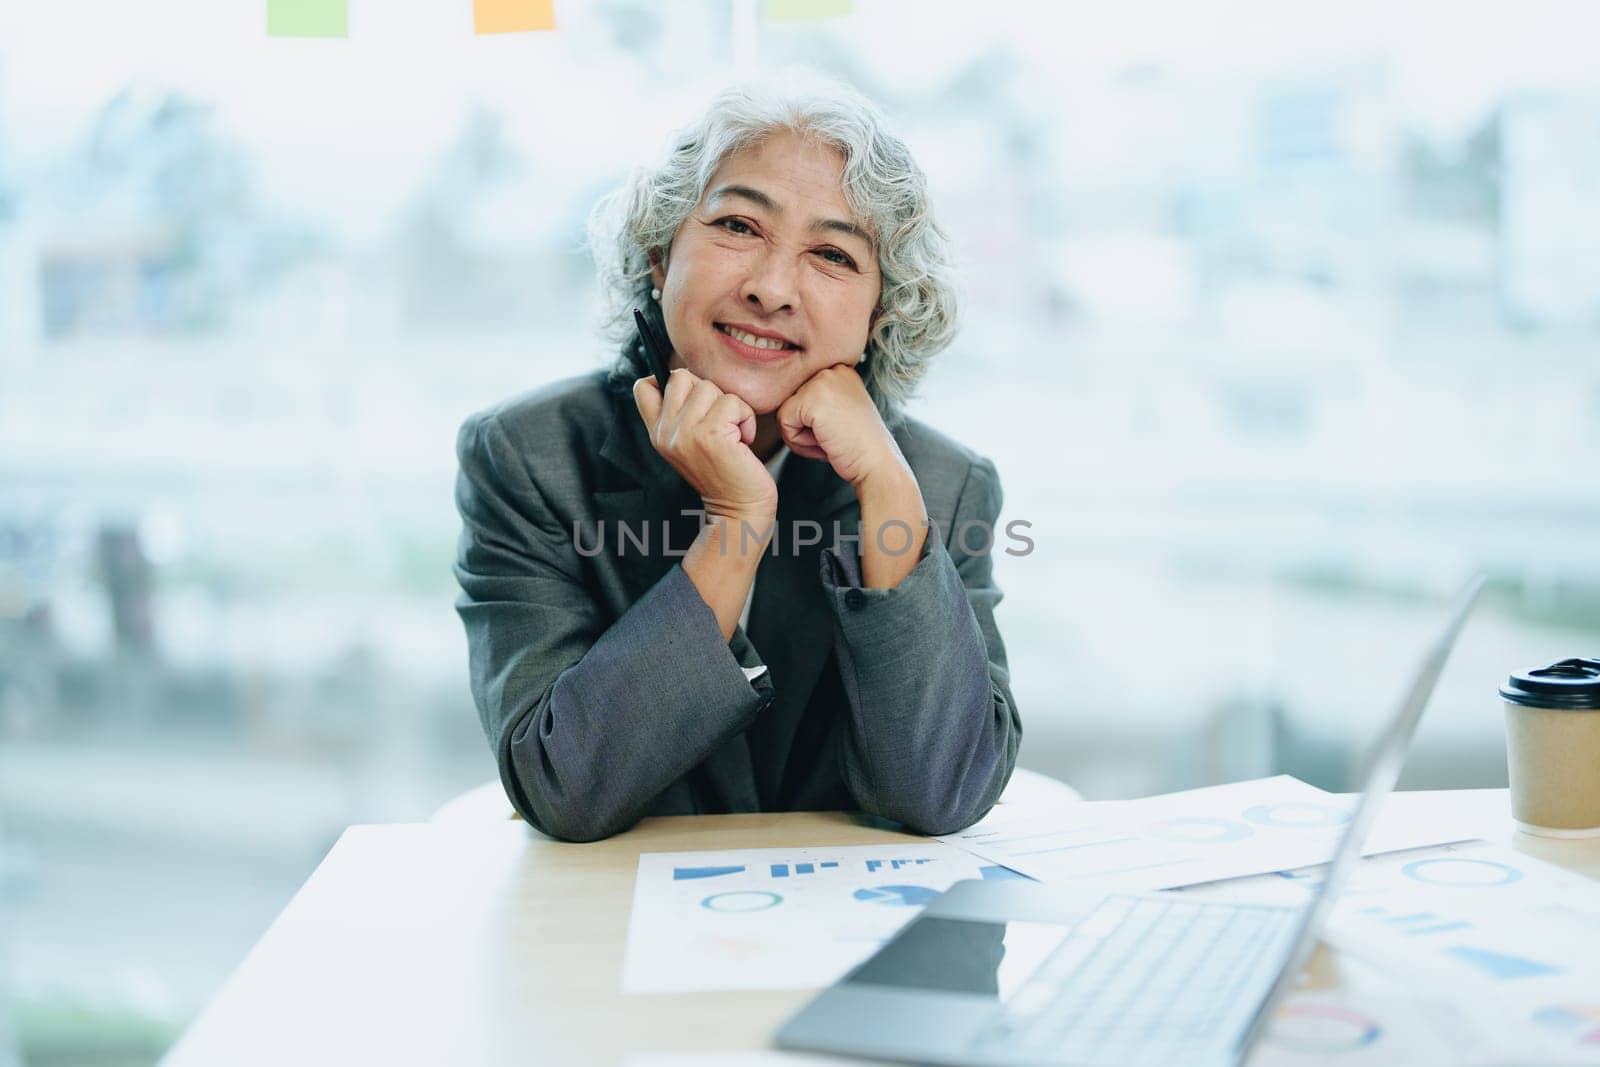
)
(778, 918)
(1480, 914)
(1470, 923)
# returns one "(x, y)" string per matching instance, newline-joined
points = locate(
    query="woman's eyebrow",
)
(849, 229)
(756, 196)
(762, 200)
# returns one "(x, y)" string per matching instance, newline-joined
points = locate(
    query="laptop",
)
(1014, 972)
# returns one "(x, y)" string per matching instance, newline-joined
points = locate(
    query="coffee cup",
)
(1553, 748)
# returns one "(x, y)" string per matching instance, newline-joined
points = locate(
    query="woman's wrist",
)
(894, 527)
(891, 488)
(741, 533)
(754, 512)
(722, 565)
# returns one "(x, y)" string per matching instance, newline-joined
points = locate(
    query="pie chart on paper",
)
(902, 896)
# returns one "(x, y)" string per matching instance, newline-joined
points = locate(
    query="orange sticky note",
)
(513, 16)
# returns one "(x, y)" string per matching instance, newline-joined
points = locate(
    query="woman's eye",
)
(729, 224)
(833, 255)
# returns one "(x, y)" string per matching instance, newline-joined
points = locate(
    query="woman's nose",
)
(771, 283)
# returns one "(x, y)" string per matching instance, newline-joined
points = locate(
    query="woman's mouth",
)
(753, 348)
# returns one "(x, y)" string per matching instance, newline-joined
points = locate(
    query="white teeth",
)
(752, 340)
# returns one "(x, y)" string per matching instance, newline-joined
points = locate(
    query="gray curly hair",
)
(916, 313)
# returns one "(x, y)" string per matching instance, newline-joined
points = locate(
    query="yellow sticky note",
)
(308, 18)
(513, 16)
(803, 10)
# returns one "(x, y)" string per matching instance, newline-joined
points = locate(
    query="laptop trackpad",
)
(962, 956)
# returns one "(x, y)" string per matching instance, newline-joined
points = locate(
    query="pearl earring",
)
(862, 362)
(655, 294)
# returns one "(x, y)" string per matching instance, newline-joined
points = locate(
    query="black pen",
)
(657, 352)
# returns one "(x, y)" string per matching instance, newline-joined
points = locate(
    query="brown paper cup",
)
(1553, 756)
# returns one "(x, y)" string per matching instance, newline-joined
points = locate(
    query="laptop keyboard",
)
(1142, 981)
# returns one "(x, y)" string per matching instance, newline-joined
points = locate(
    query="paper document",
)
(1513, 941)
(778, 918)
(1202, 835)
(1364, 1027)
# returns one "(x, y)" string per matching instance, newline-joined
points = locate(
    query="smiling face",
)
(772, 250)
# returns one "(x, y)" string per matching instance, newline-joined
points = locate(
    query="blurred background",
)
(1278, 322)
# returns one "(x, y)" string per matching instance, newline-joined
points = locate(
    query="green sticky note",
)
(803, 10)
(308, 18)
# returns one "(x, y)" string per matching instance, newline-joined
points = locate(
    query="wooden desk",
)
(459, 946)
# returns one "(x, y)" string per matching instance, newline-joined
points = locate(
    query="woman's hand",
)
(706, 434)
(832, 417)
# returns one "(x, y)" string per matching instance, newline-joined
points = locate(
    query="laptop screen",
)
(1381, 771)
(962, 956)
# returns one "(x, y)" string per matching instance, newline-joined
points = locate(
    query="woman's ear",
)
(658, 271)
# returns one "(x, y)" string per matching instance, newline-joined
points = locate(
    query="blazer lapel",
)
(647, 496)
(656, 501)
(791, 622)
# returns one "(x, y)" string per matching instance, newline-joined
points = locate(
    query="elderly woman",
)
(763, 588)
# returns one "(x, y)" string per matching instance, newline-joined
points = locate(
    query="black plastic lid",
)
(1573, 684)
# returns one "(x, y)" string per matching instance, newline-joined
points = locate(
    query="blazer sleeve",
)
(590, 720)
(933, 730)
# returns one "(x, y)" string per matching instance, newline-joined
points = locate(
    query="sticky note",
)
(803, 10)
(513, 16)
(308, 18)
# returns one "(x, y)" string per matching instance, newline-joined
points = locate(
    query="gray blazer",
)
(602, 678)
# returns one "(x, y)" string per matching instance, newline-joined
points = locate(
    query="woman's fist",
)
(832, 417)
(706, 434)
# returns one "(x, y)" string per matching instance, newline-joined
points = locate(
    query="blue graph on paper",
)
(1499, 964)
(900, 896)
(894, 865)
(1461, 872)
(1417, 923)
(781, 870)
(684, 874)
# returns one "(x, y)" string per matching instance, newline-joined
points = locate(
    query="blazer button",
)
(855, 599)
